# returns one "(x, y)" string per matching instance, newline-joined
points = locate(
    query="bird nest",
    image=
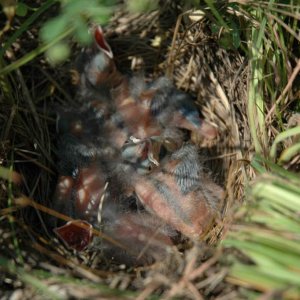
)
(181, 47)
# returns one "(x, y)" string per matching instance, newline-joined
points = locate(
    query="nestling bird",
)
(97, 70)
(152, 104)
(88, 199)
(127, 165)
(180, 193)
(145, 238)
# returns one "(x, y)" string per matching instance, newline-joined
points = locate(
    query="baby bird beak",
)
(75, 234)
(101, 42)
(96, 67)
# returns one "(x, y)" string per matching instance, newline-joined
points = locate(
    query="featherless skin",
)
(180, 193)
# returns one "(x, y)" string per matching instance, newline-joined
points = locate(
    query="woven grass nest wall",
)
(170, 42)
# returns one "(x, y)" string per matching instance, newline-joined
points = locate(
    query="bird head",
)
(96, 65)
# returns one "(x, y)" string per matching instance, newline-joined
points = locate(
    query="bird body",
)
(177, 194)
(144, 238)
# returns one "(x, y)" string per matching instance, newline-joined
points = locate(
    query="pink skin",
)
(147, 233)
(206, 130)
(138, 119)
(89, 188)
(190, 213)
(64, 188)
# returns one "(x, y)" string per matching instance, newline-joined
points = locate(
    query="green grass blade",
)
(281, 137)
(26, 25)
(33, 54)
